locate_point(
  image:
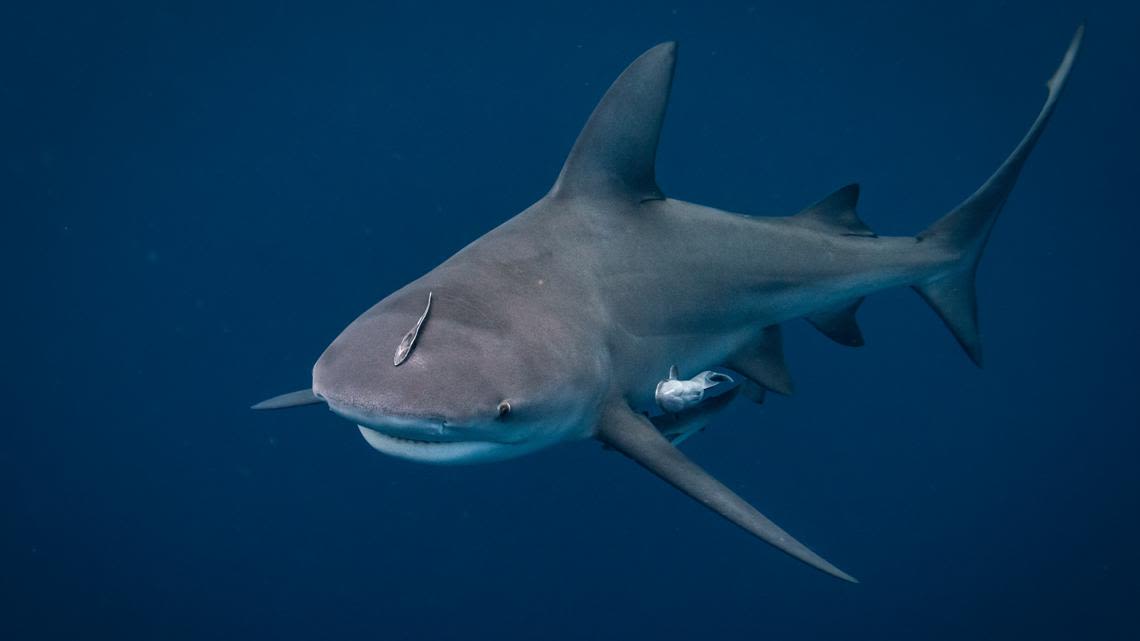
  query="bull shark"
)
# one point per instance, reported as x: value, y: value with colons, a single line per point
x: 561, y: 323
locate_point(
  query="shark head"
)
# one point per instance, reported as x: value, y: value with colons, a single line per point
x: 455, y: 380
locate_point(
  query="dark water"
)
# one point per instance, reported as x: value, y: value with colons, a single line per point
x: 197, y: 197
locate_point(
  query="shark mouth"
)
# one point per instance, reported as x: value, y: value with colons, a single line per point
x: 439, y: 452
x: 429, y: 439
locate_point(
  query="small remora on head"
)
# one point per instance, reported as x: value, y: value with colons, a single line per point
x: 404, y: 349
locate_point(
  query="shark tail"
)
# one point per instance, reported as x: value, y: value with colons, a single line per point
x: 965, y: 230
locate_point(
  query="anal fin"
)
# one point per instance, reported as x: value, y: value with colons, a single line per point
x: 839, y: 324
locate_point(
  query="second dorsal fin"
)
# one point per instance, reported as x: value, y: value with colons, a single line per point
x: 836, y: 213
x: 615, y: 154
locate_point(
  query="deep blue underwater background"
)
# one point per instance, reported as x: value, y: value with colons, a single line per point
x: 197, y: 197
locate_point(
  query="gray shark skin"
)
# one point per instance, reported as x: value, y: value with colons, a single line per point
x: 558, y: 325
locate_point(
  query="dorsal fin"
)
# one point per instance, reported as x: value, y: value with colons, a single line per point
x: 839, y: 324
x: 836, y: 213
x: 615, y: 154
x: 763, y: 362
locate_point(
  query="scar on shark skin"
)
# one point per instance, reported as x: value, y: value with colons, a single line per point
x: 404, y: 349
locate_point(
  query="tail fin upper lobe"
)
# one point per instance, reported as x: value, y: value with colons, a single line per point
x: 966, y: 229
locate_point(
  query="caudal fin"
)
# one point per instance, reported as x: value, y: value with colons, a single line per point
x: 966, y: 229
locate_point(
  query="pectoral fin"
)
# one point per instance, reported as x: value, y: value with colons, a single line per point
x: 633, y: 435
x: 292, y: 399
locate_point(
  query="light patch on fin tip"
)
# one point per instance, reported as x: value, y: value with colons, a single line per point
x: 409, y: 340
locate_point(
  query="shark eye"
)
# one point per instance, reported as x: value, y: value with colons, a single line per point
x: 504, y: 409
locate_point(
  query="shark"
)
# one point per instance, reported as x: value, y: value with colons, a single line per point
x: 566, y: 321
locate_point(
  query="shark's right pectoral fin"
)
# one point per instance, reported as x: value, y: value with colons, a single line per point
x: 292, y: 399
x: 633, y: 435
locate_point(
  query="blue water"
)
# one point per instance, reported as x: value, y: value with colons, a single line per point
x: 198, y: 196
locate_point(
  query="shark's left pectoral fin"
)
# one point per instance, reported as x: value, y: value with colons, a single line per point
x: 633, y: 435
x: 292, y: 399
